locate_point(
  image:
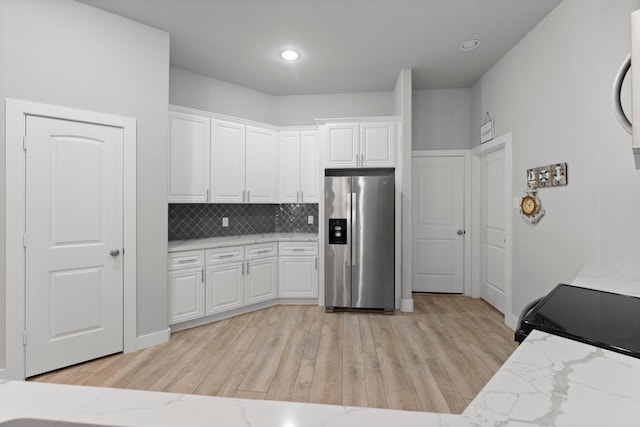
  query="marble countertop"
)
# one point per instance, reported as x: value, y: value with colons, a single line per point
x: 553, y: 381
x: 128, y: 408
x: 245, y: 239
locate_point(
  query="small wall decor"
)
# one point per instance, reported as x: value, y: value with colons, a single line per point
x: 530, y: 207
x: 486, y: 130
x: 547, y: 176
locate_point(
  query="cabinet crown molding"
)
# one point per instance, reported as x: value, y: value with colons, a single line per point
x: 371, y: 119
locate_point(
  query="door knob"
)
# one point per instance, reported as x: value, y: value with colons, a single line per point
x: 460, y: 232
x: 114, y: 252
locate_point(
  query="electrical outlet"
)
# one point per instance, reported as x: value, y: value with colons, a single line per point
x: 310, y: 219
x: 225, y: 222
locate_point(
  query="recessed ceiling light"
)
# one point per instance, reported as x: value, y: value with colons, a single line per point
x: 469, y: 45
x: 290, y: 55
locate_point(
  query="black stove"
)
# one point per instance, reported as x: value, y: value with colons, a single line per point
x: 599, y: 318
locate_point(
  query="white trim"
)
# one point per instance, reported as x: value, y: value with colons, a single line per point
x: 406, y: 305
x: 503, y: 141
x: 148, y: 340
x: 466, y: 154
x: 369, y: 119
x: 16, y: 112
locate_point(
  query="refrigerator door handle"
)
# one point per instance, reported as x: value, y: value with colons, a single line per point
x: 354, y: 228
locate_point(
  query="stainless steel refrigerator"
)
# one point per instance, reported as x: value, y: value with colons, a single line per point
x: 360, y: 239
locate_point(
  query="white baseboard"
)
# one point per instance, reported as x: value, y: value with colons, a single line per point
x: 511, y: 321
x: 149, y: 340
x: 406, y: 305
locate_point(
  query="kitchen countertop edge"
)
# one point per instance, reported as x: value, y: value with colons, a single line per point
x: 244, y: 239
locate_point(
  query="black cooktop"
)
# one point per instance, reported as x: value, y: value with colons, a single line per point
x: 599, y: 318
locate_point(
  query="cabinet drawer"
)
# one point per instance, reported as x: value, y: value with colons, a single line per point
x: 222, y: 255
x: 180, y: 260
x: 298, y: 248
x: 261, y: 250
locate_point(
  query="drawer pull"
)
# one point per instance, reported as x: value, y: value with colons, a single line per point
x: 264, y: 251
x: 184, y: 261
x: 227, y: 256
x: 299, y: 249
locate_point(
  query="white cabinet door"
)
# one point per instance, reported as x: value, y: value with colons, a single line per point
x: 298, y: 277
x: 377, y: 144
x: 289, y: 166
x: 310, y: 176
x: 224, y: 287
x: 342, y: 145
x: 186, y: 295
x: 227, y: 162
x: 261, y: 164
x: 261, y: 279
x: 189, y: 137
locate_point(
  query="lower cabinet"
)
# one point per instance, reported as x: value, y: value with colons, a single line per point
x: 224, y: 287
x: 298, y: 269
x: 261, y: 280
x: 206, y: 282
x: 186, y: 295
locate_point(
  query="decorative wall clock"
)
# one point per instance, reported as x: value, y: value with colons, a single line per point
x: 531, y: 208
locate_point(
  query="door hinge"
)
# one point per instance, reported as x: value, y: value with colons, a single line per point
x: 24, y: 337
x: 24, y: 143
x: 24, y: 240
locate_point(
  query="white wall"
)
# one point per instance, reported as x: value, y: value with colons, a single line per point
x: 304, y: 109
x: 553, y: 91
x: 205, y: 93
x: 441, y: 119
x: 69, y: 54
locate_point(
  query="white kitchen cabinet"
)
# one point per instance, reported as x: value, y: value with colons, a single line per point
x: 189, y: 136
x: 227, y: 162
x: 186, y: 286
x: 261, y: 279
x: 300, y: 166
x: 377, y: 144
x: 261, y: 166
x: 186, y: 295
x: 298, y: 270
x: 367, y: 144
x: 342, y: 145
x: 243, y: 163
x: 224, y: 287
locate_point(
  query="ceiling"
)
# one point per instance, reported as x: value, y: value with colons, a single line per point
x: 346, y: 45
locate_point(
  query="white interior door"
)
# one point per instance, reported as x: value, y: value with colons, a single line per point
x: 493, y: 240
x: 438, y: 224
x: 74, y: 218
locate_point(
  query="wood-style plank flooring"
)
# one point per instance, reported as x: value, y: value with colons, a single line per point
x: 436, y: 359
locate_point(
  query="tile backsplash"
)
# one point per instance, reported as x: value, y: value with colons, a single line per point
x: 194, y: 221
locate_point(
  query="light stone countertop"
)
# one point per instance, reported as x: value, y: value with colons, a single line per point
x: 244, y: 239
x: 553, y: 381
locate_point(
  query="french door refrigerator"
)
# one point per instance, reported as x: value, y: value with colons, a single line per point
x: 360, y: 239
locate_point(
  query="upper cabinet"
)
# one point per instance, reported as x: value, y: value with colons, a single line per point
x: 300, y: 166
x: 243, y: 163
x: 188, y: 158
x: 367, y: 144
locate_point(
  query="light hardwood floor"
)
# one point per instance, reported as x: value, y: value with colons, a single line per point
x: 436, y: 359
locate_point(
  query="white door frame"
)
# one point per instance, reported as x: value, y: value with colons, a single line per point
x: 503, y: 141
x: 465, y: 154
x: 16, y: 115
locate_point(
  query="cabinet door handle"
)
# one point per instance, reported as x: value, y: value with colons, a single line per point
x: 301, y: 196
x: 264, y: 251
x: 248, y: 196
x: 207, y: 199
x: 361, y: 159
x: 243, y: 194
x: 184, y: 261
x: 202, y: 278
x: 316, y: 263
x: 247, y: 268
x: 226, y: 256
x: 243, y: 268
x: 297, y: 249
